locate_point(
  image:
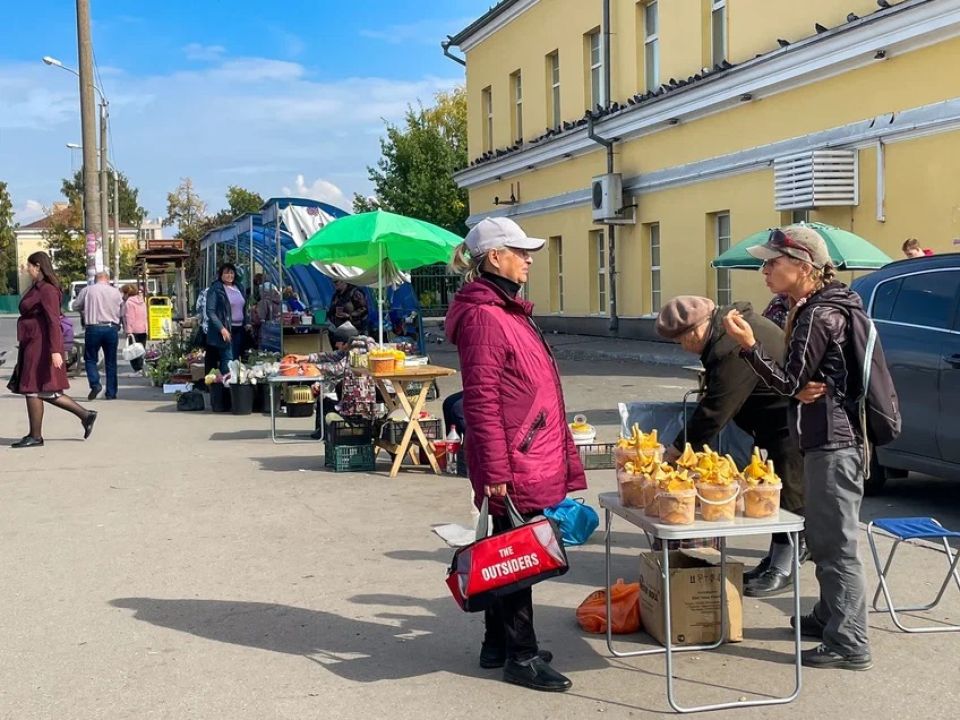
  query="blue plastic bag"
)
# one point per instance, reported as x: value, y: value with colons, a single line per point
x: 576, y: 520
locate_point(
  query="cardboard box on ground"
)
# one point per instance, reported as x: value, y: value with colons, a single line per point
x: 694, y: 597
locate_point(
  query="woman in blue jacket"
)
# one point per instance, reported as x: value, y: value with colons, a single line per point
x: 226, y: 316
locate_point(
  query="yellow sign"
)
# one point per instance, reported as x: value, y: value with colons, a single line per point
x: 160, y: 317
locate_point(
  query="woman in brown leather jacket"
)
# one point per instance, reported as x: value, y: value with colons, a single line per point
x: 818, y: 366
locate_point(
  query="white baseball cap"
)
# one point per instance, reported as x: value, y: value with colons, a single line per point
x: 496, y: 232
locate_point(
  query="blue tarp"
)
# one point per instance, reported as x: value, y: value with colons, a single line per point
x: 314, y: 288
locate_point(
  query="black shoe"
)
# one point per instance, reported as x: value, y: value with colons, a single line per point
x: 497, y: 657
x: 88, y: 423
x: 771, y: 582
x: 804, y: 553
x: 759, y: 570
x: 536, y: 675
x: 810, y: 626
x: 94, y: 391
x: 823, y: 657
x: 28, y: 441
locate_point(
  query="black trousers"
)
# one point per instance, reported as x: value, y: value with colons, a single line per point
x: 509, y: 621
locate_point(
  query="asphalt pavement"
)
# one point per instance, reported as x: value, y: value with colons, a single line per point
x: 181, y: 565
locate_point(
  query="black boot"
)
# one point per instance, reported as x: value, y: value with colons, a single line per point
x: 771, y: 582
x: 496, y: 657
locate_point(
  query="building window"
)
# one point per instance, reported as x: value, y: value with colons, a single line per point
x: 722, y: 234
x: 486, y: 105
x: 651, y: 45
x: 600, y: 263
x: 595, y: 57
x: 556, y: 261
x: 516, y: 83
x: 553, y: 82
x: 655, y: 301
x: 718, y: 22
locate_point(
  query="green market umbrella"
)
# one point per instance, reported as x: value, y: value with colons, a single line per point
x: 847, y: 250
x: 374, y: 239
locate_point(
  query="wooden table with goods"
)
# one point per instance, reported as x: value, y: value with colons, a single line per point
x: 782, y: 521
x: 401, y: 378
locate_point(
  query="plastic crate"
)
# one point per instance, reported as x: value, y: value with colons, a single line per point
x: 414, y: 388
x: 392, y: 432
x: 349, y: 458
x: 597, y: 456
x: 341, y: 432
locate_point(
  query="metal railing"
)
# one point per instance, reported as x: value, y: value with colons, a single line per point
x: 434, y: 287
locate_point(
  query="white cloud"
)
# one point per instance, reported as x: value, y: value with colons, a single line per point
x: 256, y: 122
x: 423, y: 32
x: 319, y: 189
x: 198, y: 51
x: 28, y: 212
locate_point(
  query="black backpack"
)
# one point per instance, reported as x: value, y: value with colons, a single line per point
x: 191, y: 401
x: 876, y: 401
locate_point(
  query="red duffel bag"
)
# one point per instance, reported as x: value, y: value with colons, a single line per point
x: 500, y: 564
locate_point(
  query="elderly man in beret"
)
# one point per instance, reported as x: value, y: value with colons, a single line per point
x: 734, y: 392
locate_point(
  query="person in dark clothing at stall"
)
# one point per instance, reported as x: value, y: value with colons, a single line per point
x: 734, y: 392
x: 349, y: 304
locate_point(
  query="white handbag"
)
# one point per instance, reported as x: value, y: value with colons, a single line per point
x: 132, y: 350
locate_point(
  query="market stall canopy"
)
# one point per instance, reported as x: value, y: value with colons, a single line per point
x: 847, y: 250
x: 369, y: 239
x: 382, y: 241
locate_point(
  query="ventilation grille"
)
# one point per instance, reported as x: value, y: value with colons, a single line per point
x: 818, y: 178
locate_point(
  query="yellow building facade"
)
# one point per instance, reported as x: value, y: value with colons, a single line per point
x: 706, y: 99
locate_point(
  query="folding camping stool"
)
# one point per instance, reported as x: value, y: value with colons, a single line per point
x: 915, y: 528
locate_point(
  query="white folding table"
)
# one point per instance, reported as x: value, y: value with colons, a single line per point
x: 785, y: 522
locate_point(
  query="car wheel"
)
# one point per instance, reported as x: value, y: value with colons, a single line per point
x: 878, y: 477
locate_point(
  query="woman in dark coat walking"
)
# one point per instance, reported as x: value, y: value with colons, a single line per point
x: 41, y: 375
x: 519, y: 440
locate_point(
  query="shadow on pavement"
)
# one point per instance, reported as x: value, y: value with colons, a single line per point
x: 241, y: 435
x: 286, y: 464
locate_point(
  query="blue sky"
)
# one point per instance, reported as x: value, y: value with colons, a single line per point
x: 281, y: 101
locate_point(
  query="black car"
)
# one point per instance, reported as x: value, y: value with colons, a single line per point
x: 916, y: 307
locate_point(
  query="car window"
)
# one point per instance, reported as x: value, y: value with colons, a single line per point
x: 885, y: 298
x: 927, y: 299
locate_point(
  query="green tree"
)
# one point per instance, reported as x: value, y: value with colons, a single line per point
x: 130, y: 211
x: 243, y: 201
x: 65, y: 244
x: 414, y: 175
x: 188, y: 212
x: 8, y: 244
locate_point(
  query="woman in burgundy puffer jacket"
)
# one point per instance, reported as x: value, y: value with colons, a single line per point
x: 519, y: 442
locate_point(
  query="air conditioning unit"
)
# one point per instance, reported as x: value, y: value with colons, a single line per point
x: 607, y: 200
x: 816, y: 178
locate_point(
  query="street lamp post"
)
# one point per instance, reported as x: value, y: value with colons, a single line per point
x: 95, y: 211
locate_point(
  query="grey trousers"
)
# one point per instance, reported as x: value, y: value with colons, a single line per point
x: 833, y: 486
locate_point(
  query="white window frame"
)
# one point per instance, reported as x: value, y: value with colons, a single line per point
x: 517, y: 82
x: 555, y: 86
x: 722, y: 244
x: 718, y: 14
x: 596, y: 69
x: 651, y: 47
x: 556, y: 246
x: 603, y: 283
x: 656, y: 290
x: 487, y: 109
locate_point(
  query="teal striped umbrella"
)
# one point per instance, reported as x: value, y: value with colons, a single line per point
x: 847, y: 250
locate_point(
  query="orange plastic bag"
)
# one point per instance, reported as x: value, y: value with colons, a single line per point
x: 624, y: 605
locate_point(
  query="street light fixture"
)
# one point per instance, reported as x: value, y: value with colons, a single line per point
x: 104, y: 164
